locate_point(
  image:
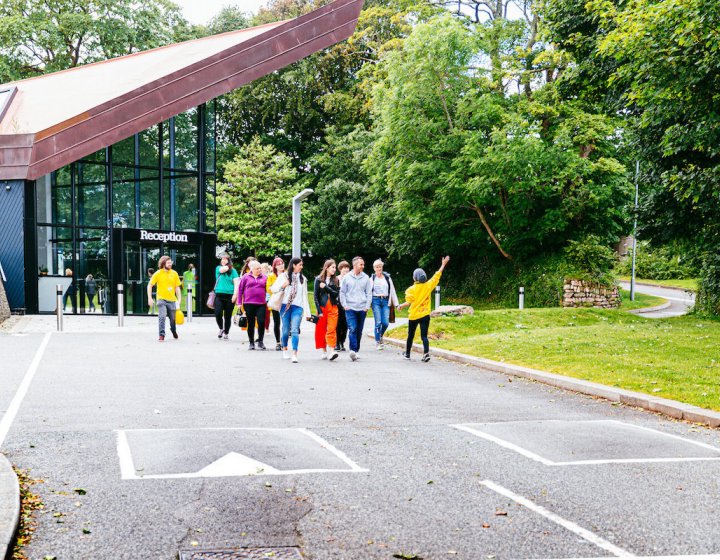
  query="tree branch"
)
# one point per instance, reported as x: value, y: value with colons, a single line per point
x: 489, y: 231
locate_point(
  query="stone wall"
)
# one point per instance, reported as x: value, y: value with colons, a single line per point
x: 4, y: 306
x: 581, y: 293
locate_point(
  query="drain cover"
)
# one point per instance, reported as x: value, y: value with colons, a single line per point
x: 282, y: 553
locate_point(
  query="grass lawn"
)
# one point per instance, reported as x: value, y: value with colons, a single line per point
x: 676, y: 358
x: 685, y: 284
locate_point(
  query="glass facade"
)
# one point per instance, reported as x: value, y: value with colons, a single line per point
x: 162, y: 178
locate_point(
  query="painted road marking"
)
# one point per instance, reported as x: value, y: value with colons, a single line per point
x: 678, y: 557
x: 569, y: 525
x: 234, y: 463
x: 10, y: 414
x: 549, y: 462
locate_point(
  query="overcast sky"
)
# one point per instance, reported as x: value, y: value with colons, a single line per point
x: 201, y: 11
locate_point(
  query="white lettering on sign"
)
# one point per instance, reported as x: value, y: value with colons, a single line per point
x: 164, y: 237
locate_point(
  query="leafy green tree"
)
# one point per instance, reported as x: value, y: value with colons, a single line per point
x: 464, y: 166
x: 255, y: 200
x: 39, y: 36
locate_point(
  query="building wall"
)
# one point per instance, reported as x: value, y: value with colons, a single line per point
x: 12, y: 238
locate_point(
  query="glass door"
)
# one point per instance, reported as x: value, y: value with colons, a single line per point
x: 140, y: 262
x: 187, y: 265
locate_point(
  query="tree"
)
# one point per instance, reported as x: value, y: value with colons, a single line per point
x: 255, y: 200
x: 465, y: 166
x: 39, y: 36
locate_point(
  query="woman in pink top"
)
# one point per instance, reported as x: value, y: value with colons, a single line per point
x: 250, y: 296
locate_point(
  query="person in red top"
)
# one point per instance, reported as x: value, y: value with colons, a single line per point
x: 250, y: 296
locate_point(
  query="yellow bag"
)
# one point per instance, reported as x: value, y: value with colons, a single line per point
x: 179, y: 317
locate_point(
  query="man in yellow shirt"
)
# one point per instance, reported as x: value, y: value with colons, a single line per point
x: 168, y: 294
x: 417, y: 297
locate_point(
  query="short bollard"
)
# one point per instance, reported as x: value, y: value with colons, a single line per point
x: 437, y: 297
x: 521, y: 297
x: 121, y: 304
x: 59, y: 308
x: 188, y: 304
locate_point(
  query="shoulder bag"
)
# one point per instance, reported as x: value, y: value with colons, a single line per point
x: 211, y: 296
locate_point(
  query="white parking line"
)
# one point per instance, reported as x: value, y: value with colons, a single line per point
x: 9, y: 416
x: 569, y: 525
x: 505, y: 444
x: 540, y: 459
x: 233, y: 463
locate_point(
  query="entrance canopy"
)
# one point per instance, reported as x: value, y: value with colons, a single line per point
x: 52, y: 120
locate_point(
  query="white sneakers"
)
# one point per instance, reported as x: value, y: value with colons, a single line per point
x: 353, y: 355
x: 334, y: 355
x: 294, y: 359
x: 286, y: 355
x: 324, y: 356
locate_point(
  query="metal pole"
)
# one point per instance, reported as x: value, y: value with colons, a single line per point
x: 297, y: 199
x: 521, y: 297
x: 634, y: 248
x: 437, y: 297
x: 189, y: 303
x: 59, y: 304
x: 121, y: 304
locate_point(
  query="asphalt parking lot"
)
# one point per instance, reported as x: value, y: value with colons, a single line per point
x: 197, y: 444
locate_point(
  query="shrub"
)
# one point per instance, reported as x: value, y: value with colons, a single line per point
x: 661, y: 263
x: 590, y: 259
x: 708, y: 296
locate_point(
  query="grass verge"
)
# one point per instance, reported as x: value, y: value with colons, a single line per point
x: 675, y: 358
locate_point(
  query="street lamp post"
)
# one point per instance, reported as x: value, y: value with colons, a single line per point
x: 634, y: 246
x: 297, y: 199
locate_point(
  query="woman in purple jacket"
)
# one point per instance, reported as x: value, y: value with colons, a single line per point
x: 250, y: 296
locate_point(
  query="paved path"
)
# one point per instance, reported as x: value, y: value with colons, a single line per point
x: 201, y: 442
x: 681, y: 301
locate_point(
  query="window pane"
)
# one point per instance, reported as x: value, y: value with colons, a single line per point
x: 92, y: 205
x: 123, y: 159
x: 44, y: 202
x: 210, y: 137
x: 149, y: 147
x: 123, y: 214
x: 186, y: 140
x: 91, y: 194
x: 97, y: 157
x: 186, y: 204
x: 209, y: 181
x: 150, y: 204
x: 54, y: 197
x: 167, y: 205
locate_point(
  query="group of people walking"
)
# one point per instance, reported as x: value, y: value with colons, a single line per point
x: 343, y: 294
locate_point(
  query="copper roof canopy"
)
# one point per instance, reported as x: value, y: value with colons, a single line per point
x: 55, y: 119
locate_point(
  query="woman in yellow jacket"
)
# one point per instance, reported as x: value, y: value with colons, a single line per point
x: 417, y: 297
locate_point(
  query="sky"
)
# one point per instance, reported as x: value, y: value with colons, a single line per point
x: 201, y: 11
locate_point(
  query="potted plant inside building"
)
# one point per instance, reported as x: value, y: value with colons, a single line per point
x: 43, y: 270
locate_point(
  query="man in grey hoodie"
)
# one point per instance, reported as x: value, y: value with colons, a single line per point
x: 356, y: 298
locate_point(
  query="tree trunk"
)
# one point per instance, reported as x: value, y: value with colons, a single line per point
x: 490, y: 232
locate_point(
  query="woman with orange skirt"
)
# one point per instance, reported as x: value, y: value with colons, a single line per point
x: 327, y: 291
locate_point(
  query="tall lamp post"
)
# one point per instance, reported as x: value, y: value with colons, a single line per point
x: 634, y: 248
x: 297, y: 199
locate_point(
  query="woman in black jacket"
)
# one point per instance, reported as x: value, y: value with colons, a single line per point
x: 326, y: 292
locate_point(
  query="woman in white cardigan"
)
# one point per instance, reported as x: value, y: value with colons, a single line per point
x: 295, y: 305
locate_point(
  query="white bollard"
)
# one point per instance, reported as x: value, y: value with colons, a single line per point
x: 59, y: 303
x: 437, y: 297
x: 121, y: 304
x: 188, y: 303
x: 522, y: 297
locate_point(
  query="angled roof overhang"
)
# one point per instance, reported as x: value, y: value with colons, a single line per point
x: 55, y: 119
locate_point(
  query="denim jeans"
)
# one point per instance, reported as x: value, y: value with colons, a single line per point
x: 166, y: 309
x: 381, y: 314
x: 355, y: 322
x: 291, y: 324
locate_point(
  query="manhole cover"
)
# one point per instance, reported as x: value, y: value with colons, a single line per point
x: 282, y: 553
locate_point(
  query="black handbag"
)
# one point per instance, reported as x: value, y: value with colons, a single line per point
x: 242, y: 320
